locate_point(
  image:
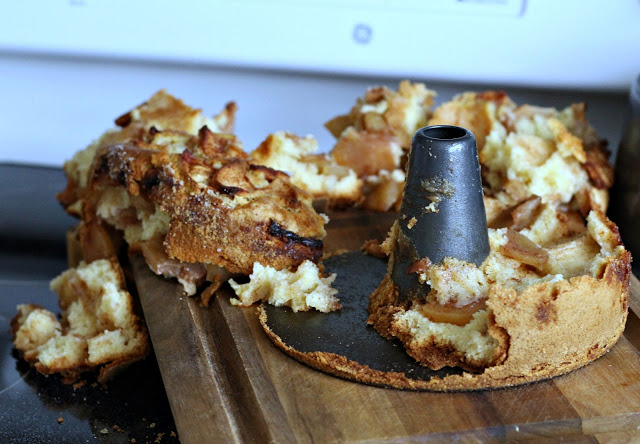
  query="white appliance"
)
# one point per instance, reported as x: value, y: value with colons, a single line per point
x: 68, y: 67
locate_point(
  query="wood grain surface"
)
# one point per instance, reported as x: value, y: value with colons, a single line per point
x: 226, y: 382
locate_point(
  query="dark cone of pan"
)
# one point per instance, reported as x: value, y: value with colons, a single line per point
x: 442, y: 213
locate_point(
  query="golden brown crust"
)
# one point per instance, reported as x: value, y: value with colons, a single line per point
x: 383, y: 305
x: 98, y: 331
x: 164, y: 111
x: 542, y: 322
x: 181, y: 191
x: 160, y: 113
x: 223, y: 211
x: 519, y: 367
x: 536, y: 329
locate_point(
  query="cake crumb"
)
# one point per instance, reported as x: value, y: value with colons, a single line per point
x: 373, y: 248
x: 432, y: 208
x: 412, y: 223
x: 152, y: 425
x: 159, y: 437
x: 133, y: 440
x: 173, y: 434
x: 104, y: 431
x: 60, y: 420
x: 117, y: 428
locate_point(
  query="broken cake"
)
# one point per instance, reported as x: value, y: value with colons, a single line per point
x: 99, y: 329
x: 176, y: 187
x: 552, y: 294
x: 184, y: 195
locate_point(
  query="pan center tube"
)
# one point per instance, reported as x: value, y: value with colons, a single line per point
x: 442, y: 213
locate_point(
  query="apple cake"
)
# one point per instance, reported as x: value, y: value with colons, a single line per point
x: 553, y: 293
x: 99, y: 330
x: 184, y: 195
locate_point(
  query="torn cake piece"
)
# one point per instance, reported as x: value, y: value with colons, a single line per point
x: 527, y: 313
x: 374, y: 138
x: 318, y: 174
x: 161, y: 112
x: 529, y: 152
x: 98, y: 331
x: 187, y: 199
x: 302, y: 290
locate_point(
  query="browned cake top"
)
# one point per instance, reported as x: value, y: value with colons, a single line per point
x: 221, y: 208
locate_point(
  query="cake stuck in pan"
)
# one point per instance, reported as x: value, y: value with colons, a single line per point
x: 504, y: 317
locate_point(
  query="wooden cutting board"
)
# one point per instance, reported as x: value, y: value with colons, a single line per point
x: 227, y: 382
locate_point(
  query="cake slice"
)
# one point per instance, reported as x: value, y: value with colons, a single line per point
x: 191, y: 212
x: 99, y: 329
x: 377, y: 132
x: 302, y: 290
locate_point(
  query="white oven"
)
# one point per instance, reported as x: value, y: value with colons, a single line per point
x: 68, y: 67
